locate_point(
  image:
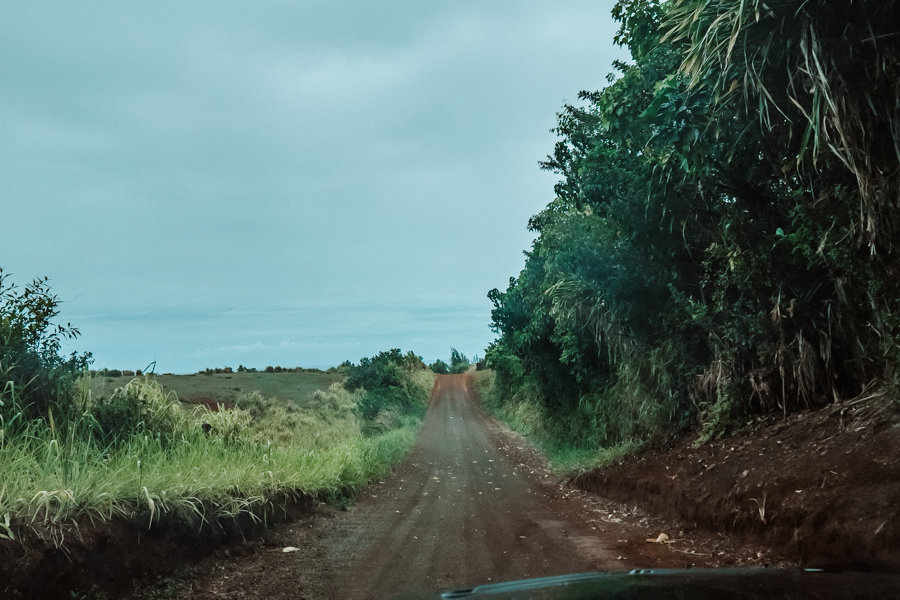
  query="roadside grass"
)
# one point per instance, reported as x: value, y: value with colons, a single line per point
x: 524, y: 414
x: 162, y: 461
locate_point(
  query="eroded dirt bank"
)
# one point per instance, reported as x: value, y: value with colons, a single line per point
x: 818, y: 488
x: 104, y: 559
x: 472, y: 504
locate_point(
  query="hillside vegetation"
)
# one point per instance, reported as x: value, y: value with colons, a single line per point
x: 723, y: 239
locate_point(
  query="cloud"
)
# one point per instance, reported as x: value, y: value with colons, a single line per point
x: 171, y: 158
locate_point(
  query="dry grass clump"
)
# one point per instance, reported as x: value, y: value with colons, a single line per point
x: 329, y: 415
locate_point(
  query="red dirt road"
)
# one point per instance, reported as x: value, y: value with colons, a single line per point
x: 472, y: 504
x: 460, y: 512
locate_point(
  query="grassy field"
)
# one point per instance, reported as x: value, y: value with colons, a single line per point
x: 288, y: 386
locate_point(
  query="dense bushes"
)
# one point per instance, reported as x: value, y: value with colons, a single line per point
x: 141, y: 407
x: 439, y: 367
x: 458, y: 364
x: 330, y: 414
x: 458, y: 361
x: 390, y: 381
x: 722, y: 242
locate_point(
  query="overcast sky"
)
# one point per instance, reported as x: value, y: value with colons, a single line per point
x: 294, y: 183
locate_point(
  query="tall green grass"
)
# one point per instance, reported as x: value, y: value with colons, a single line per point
x: 525, y: 414
x: 201, y: 464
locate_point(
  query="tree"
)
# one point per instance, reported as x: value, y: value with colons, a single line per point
x: 821, y: 75
x: 440, y: 367
x: 458, y: 361
x: 719, y: 242
x: 385, y: 378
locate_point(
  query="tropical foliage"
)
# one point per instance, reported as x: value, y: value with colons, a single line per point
x: 722, y: 239
x: 459, y: 363
x: 439, y: 367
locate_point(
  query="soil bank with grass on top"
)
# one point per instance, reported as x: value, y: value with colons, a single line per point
x: 817, y: 488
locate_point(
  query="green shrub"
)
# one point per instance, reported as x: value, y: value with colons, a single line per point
x: 115, y: 418
x: 439, y: 367
x: 388, y: 382
x: 32, y: 371
x: 723, y: 415
x: 458, y: 361
x: 330, y: 414
x: 229, y: 425
x: 378, y: 400
x: 141, y: 407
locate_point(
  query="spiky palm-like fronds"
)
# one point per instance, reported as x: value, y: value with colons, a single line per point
x: 572, y: 301
x: 826, y: 72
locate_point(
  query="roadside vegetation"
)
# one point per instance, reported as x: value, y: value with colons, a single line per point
x: 459, y: 363
x: 723, y: 238
x: 527, y: 416
x: 68, y: 456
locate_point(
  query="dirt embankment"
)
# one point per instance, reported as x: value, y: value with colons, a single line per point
x: 109, y: 558
x: 820, y: 487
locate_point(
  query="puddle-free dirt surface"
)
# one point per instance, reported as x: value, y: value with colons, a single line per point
x: 458, y: 513
x: 473, y: 504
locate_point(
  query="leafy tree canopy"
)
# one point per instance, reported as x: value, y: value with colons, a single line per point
x: 721, y: 239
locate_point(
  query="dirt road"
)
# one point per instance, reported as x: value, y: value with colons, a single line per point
x: 471, y: 505
x: 461, y: 512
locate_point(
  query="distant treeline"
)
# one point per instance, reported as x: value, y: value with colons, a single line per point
x: 214, y: 371
x: 116, y: 373
x: 269, y: 369
x: 725, y: 234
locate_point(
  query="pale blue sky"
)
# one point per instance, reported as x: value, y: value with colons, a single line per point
x: 293, y: 183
